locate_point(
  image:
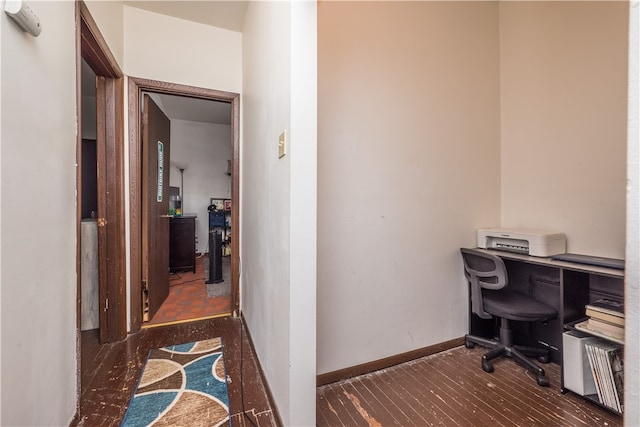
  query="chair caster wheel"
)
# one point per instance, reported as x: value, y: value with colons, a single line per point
x: 486, y: 366
x: 469, y: 344
x: 544, y: 359
x: 542, y: 381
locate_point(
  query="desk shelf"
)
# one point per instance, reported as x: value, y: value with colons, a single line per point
x: 594, y: 399
x: 567, y: 287
x: 577, y: 327
x: 576, y: 357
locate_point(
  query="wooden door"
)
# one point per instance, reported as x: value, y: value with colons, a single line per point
x: 155, y: 207
x: 92, y: 48
x: 101, y: 174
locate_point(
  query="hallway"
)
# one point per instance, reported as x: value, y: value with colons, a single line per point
x: 110, y: 372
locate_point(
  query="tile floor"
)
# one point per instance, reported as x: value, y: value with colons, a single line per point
x: 188, y: 300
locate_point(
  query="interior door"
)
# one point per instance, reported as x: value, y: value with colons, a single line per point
x: 101, y: 175
x: 155, y: 207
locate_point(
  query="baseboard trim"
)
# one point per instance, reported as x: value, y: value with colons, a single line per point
x: 272, y: 402
x: 178, y: 322
x: 376, y: 365
x: 75, y: 420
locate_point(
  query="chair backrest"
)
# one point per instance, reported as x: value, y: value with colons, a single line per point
x: 483, y: 270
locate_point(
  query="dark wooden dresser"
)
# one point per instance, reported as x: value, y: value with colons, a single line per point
x: 182, y: 243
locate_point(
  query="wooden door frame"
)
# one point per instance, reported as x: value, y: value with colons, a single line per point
x: 91, y: 46
x: 135, y: 89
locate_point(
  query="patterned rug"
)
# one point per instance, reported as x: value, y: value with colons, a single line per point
x: 182, y: 385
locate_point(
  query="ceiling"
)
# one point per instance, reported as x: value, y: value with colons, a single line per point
x: 194, y: 109
x: 223, y: 14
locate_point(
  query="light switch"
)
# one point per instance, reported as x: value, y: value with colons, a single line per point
x: 282, y: 145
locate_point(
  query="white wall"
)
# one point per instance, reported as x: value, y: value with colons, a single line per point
x: 38, y: 230
x: 408, y: 168
x: 204, y: 149
x: 108, y: 16
x: 265, y: 193
x: 89, y: 123
x: 564, y: 100
x: 173, y: 50
x: 278, y: 200
x: 303, y: 149
x: 632, y: 266
x: 88, y: 115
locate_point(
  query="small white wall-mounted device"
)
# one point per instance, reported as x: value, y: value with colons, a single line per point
x: 20, y: 12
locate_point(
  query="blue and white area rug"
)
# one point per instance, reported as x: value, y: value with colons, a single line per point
x: 182, y: 385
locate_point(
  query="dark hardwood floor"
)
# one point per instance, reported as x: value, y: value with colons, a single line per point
x: 446, y: 389
x: 451, y: 389
x: 110, y: 372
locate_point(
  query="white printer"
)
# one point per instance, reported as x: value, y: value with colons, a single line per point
x: 534, y: 243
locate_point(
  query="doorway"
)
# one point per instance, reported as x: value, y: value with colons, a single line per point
x: 100, y: 196
x: 136, y: 91
x: 107, y: 125
x: 197, y: 157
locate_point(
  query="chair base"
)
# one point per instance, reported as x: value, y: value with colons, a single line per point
x: 516, y: 352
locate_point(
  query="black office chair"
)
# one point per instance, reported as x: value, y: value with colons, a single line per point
x: 491, y: 298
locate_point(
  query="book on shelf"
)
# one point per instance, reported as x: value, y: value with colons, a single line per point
x: 607, y: 367
x: 616, y: 362
x: 610, y: 329
x: 594, y: 371
x: 613, y: 355
x: 584, y: 326
x: 609, y: 352
x: 606, y: 379
x: 607, y: 317
x: 608, y: 306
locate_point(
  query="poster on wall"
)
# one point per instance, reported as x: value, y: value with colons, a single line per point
x: 160, y: 169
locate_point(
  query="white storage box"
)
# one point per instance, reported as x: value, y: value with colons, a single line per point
x: 575, y: 363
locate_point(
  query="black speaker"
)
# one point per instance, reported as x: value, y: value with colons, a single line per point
x: 215, y: 257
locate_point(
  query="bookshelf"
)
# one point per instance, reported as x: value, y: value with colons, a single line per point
x: 593, y: 363
x: 584, y: 326
x: 220, y: 220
